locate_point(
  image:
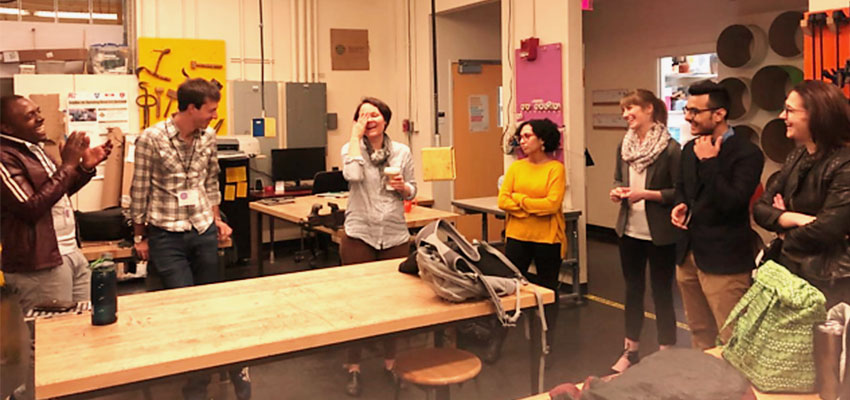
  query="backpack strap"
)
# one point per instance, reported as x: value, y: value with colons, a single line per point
x: 505, y: 318
x: 501, y: 256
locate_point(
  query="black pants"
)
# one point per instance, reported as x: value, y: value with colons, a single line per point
x: 662, y: 270
x: 547, y: 261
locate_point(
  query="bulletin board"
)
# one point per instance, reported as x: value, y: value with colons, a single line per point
x: 182, y: 59
x: 539, y: 89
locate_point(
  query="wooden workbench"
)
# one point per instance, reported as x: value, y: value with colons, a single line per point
x: 170, y: 332
x: 297, y: 212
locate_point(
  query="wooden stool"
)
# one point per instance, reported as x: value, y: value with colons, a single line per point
x: 436, y: 368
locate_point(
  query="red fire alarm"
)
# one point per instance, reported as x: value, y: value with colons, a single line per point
x: 528, y: 48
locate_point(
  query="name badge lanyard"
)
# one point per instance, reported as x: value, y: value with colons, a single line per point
x: 186, y: 166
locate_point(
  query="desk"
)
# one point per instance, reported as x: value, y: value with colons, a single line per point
x: 297, y: 212
x: 238, y: 322
x: 489, y: 205
x: 93, y: 250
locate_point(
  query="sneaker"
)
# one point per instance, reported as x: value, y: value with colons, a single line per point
x: 628, y: 359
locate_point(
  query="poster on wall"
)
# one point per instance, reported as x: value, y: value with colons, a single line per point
x: 95, y: 112
x: 165, y: 63
x: 539, y: 89
x: 479, y: 113
x: 349, y: 49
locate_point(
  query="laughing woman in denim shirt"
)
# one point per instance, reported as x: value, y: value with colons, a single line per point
x: 375, y: 228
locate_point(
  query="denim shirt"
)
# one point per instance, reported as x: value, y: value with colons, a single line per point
x: 374, y: 214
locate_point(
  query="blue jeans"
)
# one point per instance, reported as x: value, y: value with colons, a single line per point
x: 184, y: 258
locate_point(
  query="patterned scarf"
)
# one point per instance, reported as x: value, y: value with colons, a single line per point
x: 379, y: 157
x: 641, y: 155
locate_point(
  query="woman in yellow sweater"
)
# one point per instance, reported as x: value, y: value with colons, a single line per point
x: 531, y: 196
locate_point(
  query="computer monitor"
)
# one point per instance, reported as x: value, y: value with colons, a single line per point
x: 297, y: 164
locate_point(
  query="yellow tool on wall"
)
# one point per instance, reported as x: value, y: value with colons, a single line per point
x: 161, y: 65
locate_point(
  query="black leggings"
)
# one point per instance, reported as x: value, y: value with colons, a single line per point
x: 662, y: 269
x: 547, y: 261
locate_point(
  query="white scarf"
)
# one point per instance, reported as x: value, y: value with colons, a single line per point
x: 641, y: 154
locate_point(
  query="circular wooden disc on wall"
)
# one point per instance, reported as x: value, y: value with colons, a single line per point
x: 772, y: 83
x: 739, y: 95
x: 749, y: 131
x: 741, y: 45
x: 785, y: 36
x: 773, y: 141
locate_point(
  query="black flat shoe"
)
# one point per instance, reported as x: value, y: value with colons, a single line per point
x: 627, y: 360
x: 353, y: 388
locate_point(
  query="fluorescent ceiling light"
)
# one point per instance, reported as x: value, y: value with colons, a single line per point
x: 75, y: 15
x: 13, y: 11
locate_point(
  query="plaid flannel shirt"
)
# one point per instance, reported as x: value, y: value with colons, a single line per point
x: 165, y: 165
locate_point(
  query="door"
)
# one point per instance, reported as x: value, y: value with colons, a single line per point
x: 477, y: 139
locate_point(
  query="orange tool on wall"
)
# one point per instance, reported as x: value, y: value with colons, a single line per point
x: 826, y: 47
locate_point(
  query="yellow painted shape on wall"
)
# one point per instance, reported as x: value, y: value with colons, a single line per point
x: 183, y: 52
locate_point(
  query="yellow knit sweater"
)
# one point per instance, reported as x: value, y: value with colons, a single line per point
x: 531, y: 196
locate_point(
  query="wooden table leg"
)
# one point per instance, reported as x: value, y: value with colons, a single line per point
x: 484, y: 229
x: 535, y: 356
x: 271, y: 239
x: 257, y: 240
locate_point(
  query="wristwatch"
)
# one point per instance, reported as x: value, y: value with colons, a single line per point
x: 138, y: 239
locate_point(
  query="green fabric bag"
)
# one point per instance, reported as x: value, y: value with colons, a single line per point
x: 771, y: 340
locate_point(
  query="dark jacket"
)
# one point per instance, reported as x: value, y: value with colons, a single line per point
x: 27, y: 195
x: 660, y: 175
x: 717, y: 192
x: 814, y: 187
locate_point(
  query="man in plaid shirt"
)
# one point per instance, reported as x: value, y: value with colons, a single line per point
x: 175, y: 198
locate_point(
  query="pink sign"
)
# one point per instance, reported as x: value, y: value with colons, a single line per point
x: 539, y: 89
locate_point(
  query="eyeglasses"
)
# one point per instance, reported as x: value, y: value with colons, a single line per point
x: 694, y: 111
x: 789, y: 110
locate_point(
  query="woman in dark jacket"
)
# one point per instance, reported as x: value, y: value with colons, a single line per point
x: 808, y: 201
x: 644, y: 178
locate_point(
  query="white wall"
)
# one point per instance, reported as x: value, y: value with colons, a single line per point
x: 479, y: 26
x: 621, y: 50
x: 821, y: 5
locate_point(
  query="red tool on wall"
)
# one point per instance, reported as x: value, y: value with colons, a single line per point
x: 826, y: 47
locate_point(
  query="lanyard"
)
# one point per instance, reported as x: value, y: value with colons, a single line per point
x: 186, y: 165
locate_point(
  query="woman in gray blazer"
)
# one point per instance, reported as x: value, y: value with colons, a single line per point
x: 644, y: 178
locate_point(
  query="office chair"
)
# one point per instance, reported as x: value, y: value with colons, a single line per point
x: 329, y: 181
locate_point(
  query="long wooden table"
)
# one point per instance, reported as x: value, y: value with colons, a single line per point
x: 160, y: 334
x: 297, y: 211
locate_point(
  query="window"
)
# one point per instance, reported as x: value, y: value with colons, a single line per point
x: 676, y: 75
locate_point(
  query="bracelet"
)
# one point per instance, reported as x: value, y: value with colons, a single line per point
x: 84, y: 169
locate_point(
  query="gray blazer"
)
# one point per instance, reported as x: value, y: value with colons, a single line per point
x: 660, y: 175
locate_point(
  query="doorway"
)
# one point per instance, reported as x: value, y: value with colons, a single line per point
x: 476, y: 134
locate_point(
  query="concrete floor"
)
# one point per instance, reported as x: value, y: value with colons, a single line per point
x: 588, y: 341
